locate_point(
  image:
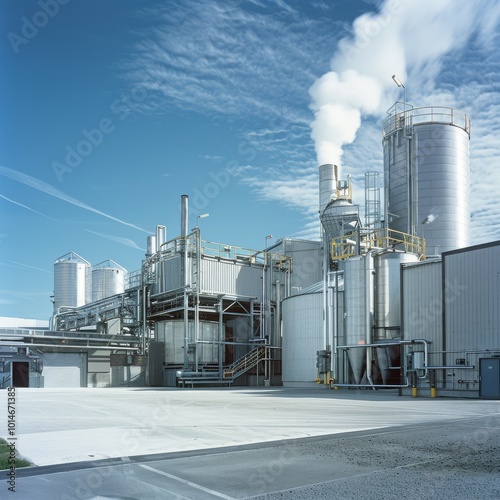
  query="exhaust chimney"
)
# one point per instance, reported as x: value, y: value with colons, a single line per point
x: 184, y: 215
x: 161, y: 236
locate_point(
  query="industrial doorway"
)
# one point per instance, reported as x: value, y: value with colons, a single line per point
x: 489, y: 378
x: 20, y: 374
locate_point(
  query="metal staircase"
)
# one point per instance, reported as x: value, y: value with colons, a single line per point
x: 245, y: 363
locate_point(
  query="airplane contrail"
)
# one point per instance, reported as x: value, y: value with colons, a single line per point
x: 26, y: 207
x: 123, y: 241
x: 35, y: 183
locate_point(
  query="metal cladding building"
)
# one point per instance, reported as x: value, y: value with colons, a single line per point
x: 395, y: 301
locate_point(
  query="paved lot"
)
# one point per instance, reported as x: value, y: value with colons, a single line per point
x: 282, y: 443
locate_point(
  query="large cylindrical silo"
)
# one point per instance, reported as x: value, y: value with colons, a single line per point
x: 427, y: 175
x: 72, y: 281
x: 108, y: 278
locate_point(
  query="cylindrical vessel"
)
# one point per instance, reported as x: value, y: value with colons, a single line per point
x: 151, y: 246
x: 184, y: 215
x: 171, y: 332
x: 387, y: 293
x: 161, y: 236
x: 427, y: 175
x: 108, y: 278
x: 302, y: 338
x: 327, y: 185
x: 72, y: 281
x: 355, y: 313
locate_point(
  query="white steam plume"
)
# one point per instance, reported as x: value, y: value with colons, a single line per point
x: 408, y: 38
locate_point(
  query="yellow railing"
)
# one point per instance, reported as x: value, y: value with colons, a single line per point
x: 343, y: 247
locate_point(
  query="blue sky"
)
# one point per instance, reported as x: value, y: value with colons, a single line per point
x: 111, y: 109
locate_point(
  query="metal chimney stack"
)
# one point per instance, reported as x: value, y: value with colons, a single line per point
x: 184, y: 215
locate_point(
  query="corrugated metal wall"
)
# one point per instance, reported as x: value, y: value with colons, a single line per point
x: 231, y: 278
x: 472, y: 298
x: 169, y: 275
x: 307, y: 261
x: 302, y: 337
x: 422, y: 305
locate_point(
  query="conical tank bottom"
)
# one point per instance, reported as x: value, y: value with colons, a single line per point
x: 383, y: 363
x: 357, y: 360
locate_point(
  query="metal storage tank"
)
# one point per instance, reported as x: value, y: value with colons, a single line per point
x: 356, y: 314
x: 171, y: 332
x: 427, y: 175
x: 302, y: 337
x: 387, y: 293
x: 108, y: 278
x: 72, y: 281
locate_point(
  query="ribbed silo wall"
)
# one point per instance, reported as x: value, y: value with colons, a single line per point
x: 107, y: 281
x: 387, y: 293
x: 72, y: 280
x: 437, y: 143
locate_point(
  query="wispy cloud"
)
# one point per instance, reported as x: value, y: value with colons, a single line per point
x: 46, y: 188
x: 25, y: 206
x: 117, y: 239
x: 246, y: 62
x: 27, y: 266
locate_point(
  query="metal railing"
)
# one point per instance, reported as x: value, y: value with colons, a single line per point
x: 431, y: 114
x: 245, y: 363
x: 346, y: 246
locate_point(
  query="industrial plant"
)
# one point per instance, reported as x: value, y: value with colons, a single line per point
x: 393, y: 295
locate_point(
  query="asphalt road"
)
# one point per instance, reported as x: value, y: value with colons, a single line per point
x: 458, y: 460
x: 435, y: 449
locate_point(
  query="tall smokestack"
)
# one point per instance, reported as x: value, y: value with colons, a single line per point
x: 327, y: 184
x: 184, y: 215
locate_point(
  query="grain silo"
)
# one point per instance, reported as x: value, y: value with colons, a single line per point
x: 427, y: 175
x: 72, y: 281
x: 107, y: 280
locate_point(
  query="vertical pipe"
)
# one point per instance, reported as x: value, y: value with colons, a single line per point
x: 221, y: 340
x: 184, y: 233
x: 277, y: 334
x: 325, y: 288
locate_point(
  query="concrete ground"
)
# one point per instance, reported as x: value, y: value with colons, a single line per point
x: 245, y: 442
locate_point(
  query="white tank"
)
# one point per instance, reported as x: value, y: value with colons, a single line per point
x: 72, y: 281
x: 108, y: 278
x: 171, y: 332
x: 427, y: 175
x: 302, y: 337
